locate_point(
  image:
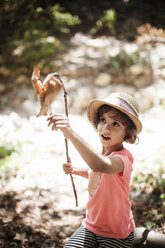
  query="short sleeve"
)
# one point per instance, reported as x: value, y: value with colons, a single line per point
x: 127, y: 159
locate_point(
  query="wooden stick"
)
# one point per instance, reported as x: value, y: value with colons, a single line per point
x: 38, y: 87
x: 66, y: 144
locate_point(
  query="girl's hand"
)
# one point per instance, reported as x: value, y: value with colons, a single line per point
x: 68, y: 168
x: 59, y: 121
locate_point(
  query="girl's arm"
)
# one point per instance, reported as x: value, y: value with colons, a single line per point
x: 69, y: 169
x: 94, y: 160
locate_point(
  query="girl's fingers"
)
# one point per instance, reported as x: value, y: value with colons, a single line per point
x: 56, y: 116
x: 67, y: 168
x: 50, y: 122
x: 58, y: 120
x: 54, y: 127
x: 49, y: 118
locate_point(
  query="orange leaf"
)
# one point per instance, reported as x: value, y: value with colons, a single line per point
x: 37, y: 83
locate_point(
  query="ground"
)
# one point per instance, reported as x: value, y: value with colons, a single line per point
x: 37, y: 204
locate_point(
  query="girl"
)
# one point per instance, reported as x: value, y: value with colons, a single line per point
x: 109, y: 220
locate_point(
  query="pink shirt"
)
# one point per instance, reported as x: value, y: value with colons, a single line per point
x: 109, y: 209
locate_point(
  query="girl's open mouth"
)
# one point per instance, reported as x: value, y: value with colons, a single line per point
x: 105, y: 137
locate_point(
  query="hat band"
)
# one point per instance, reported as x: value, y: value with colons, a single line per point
x: 124, y: 104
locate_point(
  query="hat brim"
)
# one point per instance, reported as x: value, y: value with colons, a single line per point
x: 94, y: 106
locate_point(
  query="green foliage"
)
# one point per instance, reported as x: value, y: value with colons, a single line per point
x: 149, y: 224
x: 15, y: 153
x: 130, y: 67
x: 29, y: 30
x: 62, y: 21
x: 106, y: 22
x: 163, y: 104
x: 125, y: 60
x: 108, y: 19
x: 36, y: 50
x: 154, y: 183
x: 150, y: 192
x: 6, y: 159
x: 6, y: 150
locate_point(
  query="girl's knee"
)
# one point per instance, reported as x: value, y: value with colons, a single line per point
x: 82, y: 238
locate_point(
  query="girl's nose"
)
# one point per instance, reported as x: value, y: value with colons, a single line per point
x: 106, y: 126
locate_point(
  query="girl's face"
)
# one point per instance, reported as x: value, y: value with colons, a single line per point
x: 111, y: 132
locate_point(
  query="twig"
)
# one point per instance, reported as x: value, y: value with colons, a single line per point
x: 66, y: 143
x: 39, y: 86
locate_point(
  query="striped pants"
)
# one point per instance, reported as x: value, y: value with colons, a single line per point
x: 83, y: 238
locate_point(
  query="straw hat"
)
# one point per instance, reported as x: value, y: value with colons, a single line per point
x: 121, y: 101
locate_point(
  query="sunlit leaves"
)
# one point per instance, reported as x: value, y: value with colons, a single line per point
x: 106, y: 22
x: 26, y: 26
x: 63, y: 20
x: 149, y: 224
x: 150, y: 193
x: 125, y: 60
x: 6, y: 151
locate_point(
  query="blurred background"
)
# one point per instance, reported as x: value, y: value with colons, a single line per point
x: 97, y: 47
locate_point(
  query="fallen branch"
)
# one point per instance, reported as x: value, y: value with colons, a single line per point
x: 47, y: 91
x: 66, y: 142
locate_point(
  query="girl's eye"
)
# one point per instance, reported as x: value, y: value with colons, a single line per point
x: 102, y: 119
x: 116, y: 124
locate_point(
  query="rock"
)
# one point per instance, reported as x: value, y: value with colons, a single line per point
x: 102, y: 93
x: 22, y: 79
x: 162, y: 73
x: 140, y: 235
x: 160, y: 93
x: 82, y: 98
x: 141, y: 82
x: 136, y: 70
x: 151, y: 238
x: 124, y: 88
x: 16, y: 120
x: 155, y: 239
x: 2, y: 88
x: 103, y: 79
x: 4, y: 72
x: 76, y: 71
x: 28, y: 108
x: 23, y: 93
x: 146, y: 98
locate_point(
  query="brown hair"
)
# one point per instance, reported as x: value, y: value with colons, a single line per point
x: 131, y: 132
